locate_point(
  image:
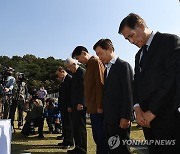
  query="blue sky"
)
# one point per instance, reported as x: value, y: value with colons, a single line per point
x: 55, y: 27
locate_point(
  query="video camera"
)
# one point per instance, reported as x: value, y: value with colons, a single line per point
x: 20, y: 76
x: 6, y: 71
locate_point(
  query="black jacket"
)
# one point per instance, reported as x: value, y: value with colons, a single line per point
x: 117, y: 99
x: 77, y: 87
x: 64, y: 99
x: 154, y: 85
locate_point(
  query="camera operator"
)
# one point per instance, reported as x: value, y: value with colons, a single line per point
x: 7, y: 86
x: 20, y: 94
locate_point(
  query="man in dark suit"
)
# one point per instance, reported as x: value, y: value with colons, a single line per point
x: 63, y: 104
x: 78, y: 106
x: 117, y: 98
x: 154, y: 83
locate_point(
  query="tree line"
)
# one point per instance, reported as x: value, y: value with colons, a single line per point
x: 37, y: 70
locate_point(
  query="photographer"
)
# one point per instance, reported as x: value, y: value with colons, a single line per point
x: 34, y: 117
x: 20, y: 94
x: 7, y: 85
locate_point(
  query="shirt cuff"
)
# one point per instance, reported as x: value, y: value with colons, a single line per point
x: 179, y: 109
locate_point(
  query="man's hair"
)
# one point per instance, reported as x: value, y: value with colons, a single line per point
x: 60, y: 69
x: 70, y: 61
x: 131, y: 21
x: 104, y: 44
x: 78, y: 50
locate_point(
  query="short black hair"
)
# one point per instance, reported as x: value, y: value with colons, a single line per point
x: 78, y: 50
x: 104, y: 44
x: 131, y: 21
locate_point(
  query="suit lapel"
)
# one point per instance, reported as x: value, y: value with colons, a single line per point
x: 112, y: 69
x: 151, y: 50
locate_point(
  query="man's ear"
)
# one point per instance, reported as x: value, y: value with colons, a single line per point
x: 84, y: 53
x: 111, y: 49
x: 140, y: 25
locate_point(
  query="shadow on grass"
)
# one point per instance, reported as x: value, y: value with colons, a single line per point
x: 26, y: 144
x: 19, y: 148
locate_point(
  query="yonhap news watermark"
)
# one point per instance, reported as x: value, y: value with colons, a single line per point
x: 148, y: 142
x: 115, y: 141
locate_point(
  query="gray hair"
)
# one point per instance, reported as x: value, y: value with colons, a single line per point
x: 70, y: 61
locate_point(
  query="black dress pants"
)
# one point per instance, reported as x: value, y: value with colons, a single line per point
x: 67, y: 127
x: 165, y: 134
x: 79, y: 128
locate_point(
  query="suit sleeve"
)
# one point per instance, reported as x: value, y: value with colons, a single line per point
x: 135, y: 90
x: 126, y: 80
x: 99, y: 83
x: 80, y: 96
x: 69, y: 93
x: 178, y: 86
x: 165, y: 93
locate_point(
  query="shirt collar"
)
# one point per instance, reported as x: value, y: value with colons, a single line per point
x: 148, y: 43
x: 64, y: 78
x: 112, y: 61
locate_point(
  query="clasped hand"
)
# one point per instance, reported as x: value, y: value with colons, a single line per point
x: 144, y: 118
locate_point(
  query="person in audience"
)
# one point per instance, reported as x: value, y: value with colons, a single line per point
x: 52, y: 115
x: 20, y: 96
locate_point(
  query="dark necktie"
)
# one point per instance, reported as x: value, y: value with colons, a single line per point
x: 144, y: 53
x: 105, y: 73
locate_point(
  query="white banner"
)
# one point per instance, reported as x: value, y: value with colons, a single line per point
x: 5, y: 136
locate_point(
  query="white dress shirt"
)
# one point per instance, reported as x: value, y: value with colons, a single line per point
x: 108, y: 66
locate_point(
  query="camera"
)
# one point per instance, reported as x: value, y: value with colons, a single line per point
x: 6, y: 71
x: 20, y: 77
x: 4, y: 75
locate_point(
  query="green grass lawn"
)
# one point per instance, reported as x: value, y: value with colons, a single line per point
x: 33, y: 145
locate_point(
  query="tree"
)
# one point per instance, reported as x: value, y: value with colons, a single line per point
x: 37, y: 70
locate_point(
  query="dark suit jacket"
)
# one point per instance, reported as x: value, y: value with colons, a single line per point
x: 117, y: 99
x: 154, y: 85
x: 77, y: 87
x: 65, y: 93
x: 177, y: 87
